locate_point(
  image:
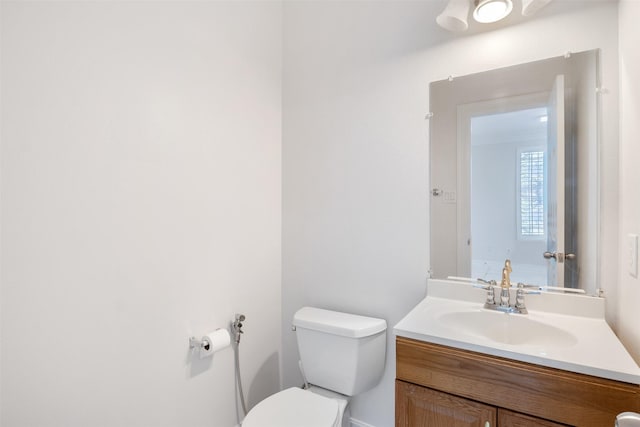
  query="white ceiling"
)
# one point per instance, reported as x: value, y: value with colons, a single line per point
x: 507, y: 127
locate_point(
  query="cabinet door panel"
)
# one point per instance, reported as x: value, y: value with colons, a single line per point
x: 422, y: 407
x: 513, y: 419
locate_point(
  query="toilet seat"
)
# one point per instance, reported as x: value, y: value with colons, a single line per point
x: 294, y: 407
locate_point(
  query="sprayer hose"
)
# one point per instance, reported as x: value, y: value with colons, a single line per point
x: 239, y: 379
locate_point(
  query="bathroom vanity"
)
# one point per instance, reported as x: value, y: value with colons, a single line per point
x: 459, y: 365
x: 464, y: 388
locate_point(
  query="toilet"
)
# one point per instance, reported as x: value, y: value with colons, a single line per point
x: 341, y: 355
x: 628, y: 419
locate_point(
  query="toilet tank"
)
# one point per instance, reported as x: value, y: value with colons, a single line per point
x: 340, y: 351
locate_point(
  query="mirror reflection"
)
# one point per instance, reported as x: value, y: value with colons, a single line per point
x: 514, y: 173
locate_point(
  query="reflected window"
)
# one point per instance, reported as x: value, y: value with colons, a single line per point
x: 531, y: 212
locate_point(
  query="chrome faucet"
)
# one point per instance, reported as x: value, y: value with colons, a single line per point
x: 505, y: 295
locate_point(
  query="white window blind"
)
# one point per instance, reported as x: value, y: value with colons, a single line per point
x: 532, y: 188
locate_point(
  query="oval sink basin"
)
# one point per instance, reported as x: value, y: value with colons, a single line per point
x: 514, y: 329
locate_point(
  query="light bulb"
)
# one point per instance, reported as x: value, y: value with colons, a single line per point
x: 488, y: 11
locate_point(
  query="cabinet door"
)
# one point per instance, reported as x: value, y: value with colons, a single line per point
x: 514, y: 419
x: 422, y: 407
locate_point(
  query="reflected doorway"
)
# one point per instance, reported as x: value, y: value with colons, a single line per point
x: 509, y: 194
x: 513, y: 195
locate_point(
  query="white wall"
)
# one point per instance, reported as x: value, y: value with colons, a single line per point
x: 627, y: 313
x: 354, y: 152
x: 493, y: 200
x: 355, y: 212
x: 141, y: 188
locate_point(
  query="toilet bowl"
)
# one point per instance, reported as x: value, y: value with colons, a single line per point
x: 342, y: 355
x: 628, y: 419
x: 295, y: 407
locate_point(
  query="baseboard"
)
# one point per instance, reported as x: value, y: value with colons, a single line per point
x: 358, y: 423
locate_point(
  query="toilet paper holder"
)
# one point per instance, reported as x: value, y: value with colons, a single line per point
x: 210, y: 343
x: 200, y: 343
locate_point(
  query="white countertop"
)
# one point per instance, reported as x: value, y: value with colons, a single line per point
x: 591, y: 348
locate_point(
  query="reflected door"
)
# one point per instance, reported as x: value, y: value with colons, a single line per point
x: 555, y: 189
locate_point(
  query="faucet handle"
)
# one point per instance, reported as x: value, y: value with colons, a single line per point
x: 526, y: 285
x: 520, y: 296
x: 487, y: 286
x: 523, y: 287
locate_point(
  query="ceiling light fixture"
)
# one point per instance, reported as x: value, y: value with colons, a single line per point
x: 454, y: 16
x: 488, y: 11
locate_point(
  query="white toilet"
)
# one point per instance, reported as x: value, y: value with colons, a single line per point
x: 342, y: 355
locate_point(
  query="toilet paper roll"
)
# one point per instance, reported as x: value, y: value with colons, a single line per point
x: 214, y: 341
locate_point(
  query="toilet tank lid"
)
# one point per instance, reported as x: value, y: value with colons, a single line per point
x: 338, y: 323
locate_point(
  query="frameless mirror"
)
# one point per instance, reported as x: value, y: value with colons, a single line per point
x: 514, y: 173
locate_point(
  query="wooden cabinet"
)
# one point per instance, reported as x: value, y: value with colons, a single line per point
x: 418, y: 406
x: 443, y: 386
x: 513, y: 419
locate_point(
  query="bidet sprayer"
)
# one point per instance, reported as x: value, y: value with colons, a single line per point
x: 237, y: 327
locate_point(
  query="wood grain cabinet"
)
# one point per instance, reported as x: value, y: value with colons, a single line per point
x: 418, y: 406
x: 439, y: 386
x: 513, y: 419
